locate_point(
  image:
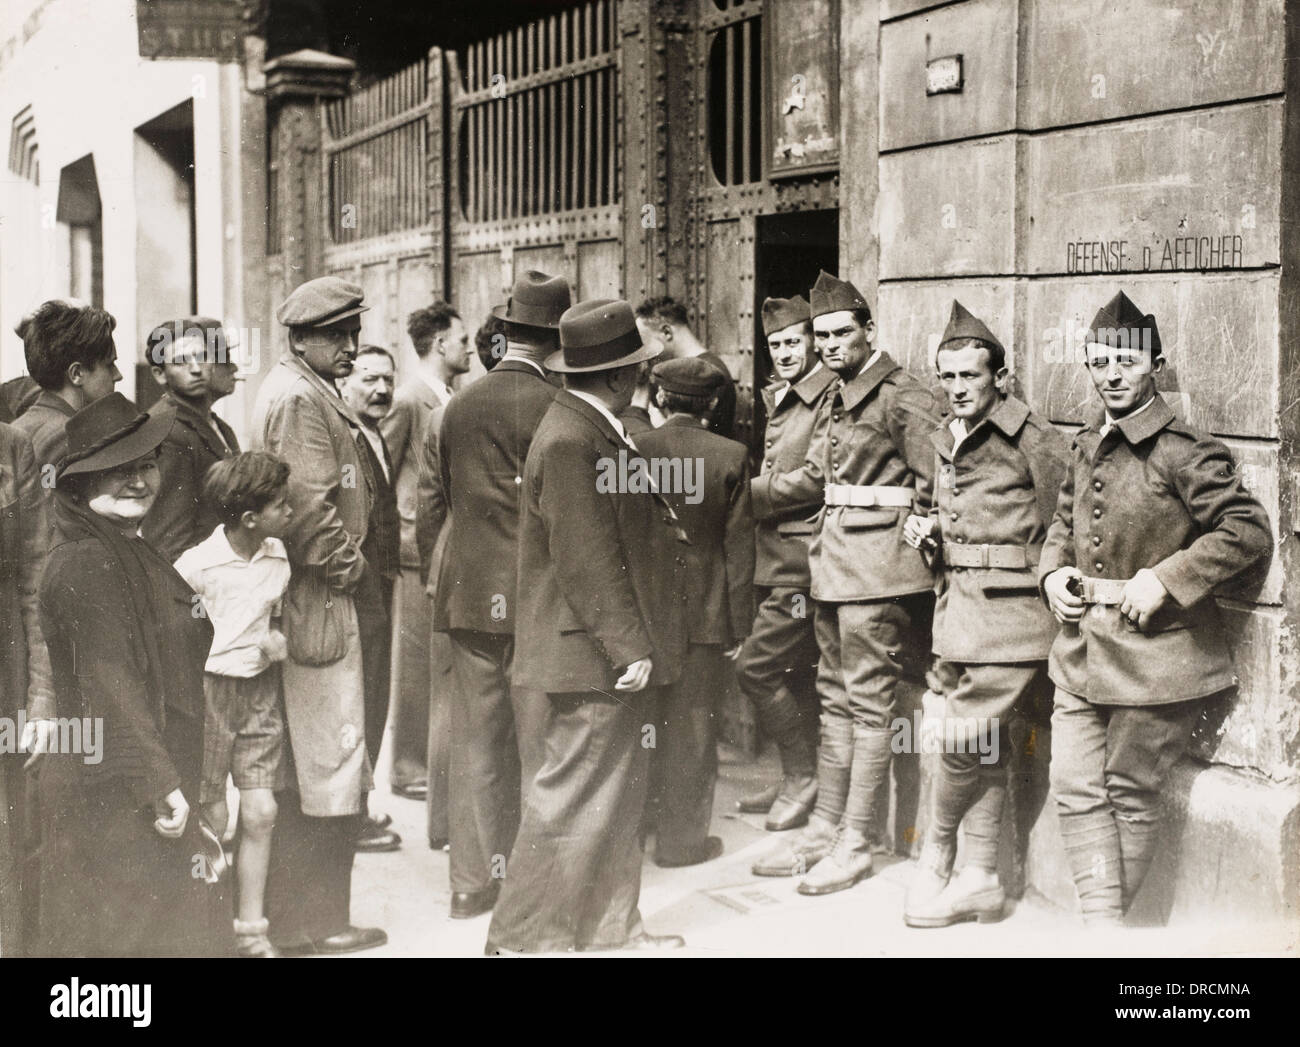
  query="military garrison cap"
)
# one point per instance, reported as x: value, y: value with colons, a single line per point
x: 690, y: 376
x: 320, y: 303
x: 780, y: 313
x: 963, y: 324
x: 831, y: 295
x: 1122, y: 325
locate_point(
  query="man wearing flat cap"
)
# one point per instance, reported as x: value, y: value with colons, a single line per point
x: 874, y: 595
x: 300, y: 417
x: 998, y: 470
x: 479, y: 450
x: 777, y: 667
x: 601, y: 627
x: 705, y: 478
x: 1152, y: 518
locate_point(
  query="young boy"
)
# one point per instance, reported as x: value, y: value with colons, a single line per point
x: 240, y: 572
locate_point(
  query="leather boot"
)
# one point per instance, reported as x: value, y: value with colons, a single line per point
x: 1092, y: 847
x: 933, y: 870
x: 1137, y: 844
x: 759, y: 802
x: 796, y: 854
x: 848, y: 862
x: 967, y: 897
x: 793, y: 805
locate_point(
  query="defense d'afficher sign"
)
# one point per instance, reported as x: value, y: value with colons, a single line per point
x: 189, y: 28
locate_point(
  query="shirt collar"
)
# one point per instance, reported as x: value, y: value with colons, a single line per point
x: 217, y: 550
x: 521, y: 358
x: 596, y: 402
x: 440, y: 388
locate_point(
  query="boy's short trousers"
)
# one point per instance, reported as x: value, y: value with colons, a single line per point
x: 243, y: 733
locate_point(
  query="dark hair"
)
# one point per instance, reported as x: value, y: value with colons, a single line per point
x: 663, y: 308
x: 997, y: 354
x: 375, y: 350
x: 58, y: 335
x: 424, y: 323
x: 686, y: 403
x: 165, y: 334
x: 246, y: 483
x: 485, y: 340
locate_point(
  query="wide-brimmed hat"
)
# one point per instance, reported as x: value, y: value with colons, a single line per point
x: 536, y: 300
x: 110, y: 432
x: 599, y: 335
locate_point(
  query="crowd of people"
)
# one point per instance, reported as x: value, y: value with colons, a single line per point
x: 538, y: 582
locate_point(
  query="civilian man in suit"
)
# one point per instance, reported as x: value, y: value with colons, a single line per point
x: 183, y: 356
x: 998, y: 467
x: 874, y: 594
x: 368, y: 390
x: 777, y: 667
x: 705, y: 478
x: 482, y: 445
x: 422, y: 658
x: 601, y: 622
x: 1151, y: 519
x: 300, y: 417
x: 663, y: 326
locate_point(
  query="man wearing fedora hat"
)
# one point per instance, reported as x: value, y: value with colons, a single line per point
x: 601, y: 626
x: 496, y: 730
x: 300, y: 417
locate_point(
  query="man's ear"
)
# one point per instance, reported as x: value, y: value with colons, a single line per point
x: 1157, y: 365
x: 248, y: 519
x: 666, y: 332
x: 76, y: 373
x: 870, y: 328
x: 158, y: 375
x: 1001, y: 379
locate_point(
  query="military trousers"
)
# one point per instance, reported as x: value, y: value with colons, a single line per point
x: 777, y: 666
x: 497, y: 735
x: 573, y: 880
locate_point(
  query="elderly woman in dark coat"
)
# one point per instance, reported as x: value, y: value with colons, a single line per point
x: 124, y: 857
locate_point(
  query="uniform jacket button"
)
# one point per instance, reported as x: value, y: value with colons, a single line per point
x: 1098, y: 566
x: 1096, y: 485
x: 1096, y: 514
x: 1096, y: 540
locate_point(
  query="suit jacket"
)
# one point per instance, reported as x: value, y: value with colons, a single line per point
x: 716, y: 515
x: 179, y: 519
x: 998, y: 488
x: 430, y: 504
x: 404, y: 429
x: 601, y: 575
x: 1152, y: 493
x: 383, y: 535
x: 24, y: 662
x: 486, y: 432
x: 788, y: 490
x: 878, y: 434
x: 300, y: 418
x: 636, y: 420
x: 43, y: 423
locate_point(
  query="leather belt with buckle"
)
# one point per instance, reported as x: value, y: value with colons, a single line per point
x: 1009, y: 557
x: 860, y: 496
x: 1105, y: 591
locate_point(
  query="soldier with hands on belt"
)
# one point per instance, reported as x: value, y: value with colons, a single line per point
x: 777, y: 667
x: 1151, y: 519
x: 874, y: 594
x: 997, y: 474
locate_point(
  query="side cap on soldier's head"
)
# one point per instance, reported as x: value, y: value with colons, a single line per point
x: 832, y: 295
x: 780, y: 313
x: 1122, y: 325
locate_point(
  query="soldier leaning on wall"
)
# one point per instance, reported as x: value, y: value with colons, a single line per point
x: 1151, y: 518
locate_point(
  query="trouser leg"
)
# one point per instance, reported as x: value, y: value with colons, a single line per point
x: 309, y: 882
x: 410, y: 701
x: 835, y: 756
x: 441, y: 684
x: 374, y: 622
x: 687, y: 754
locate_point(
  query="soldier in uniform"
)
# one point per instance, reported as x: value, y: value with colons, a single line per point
x: 997, y: 474
x: 874, y: 594
x: 713, y: 504
x: 777, y: 666
x: 1151, y: 518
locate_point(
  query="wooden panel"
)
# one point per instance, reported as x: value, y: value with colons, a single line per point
x: 727, y: 257
x: 599, y: 270
x: 1092, y: 60
x: 1219, y: 334
x: 802, y: 45
x: 911, y: 317
x: 479, y: 286
x: 549, y: 259
x: 984, y: 34
x: 1189, y: 191
x: 949, y: 210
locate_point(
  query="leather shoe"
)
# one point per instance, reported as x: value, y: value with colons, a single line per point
x: 413, y: 791
x: 848, y: 861
x: 467, y: 904
x: 375, y: 840
x: 795, y: 855
x: 710, y: 849
x: 957, y: 904
x: 382, y: 822
x: 759, y: 802
x: 354, y: 939
x: 793, y: 806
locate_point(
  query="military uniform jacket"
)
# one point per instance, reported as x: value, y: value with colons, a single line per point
x: 787, y: 492
x: 720, y: 525
x: 877, y: 434
x: 999, y: 487
x: 601, y: 575
x: 1153, y: 493
x: 179, y: 519
x: 482, y: 446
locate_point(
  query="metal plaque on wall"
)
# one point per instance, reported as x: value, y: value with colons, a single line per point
x: 803, y: 97
x: 189, y: 28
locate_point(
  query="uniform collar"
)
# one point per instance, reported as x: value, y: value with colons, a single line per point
x: 1143, y: 423
x: 877, y: 368
x: 1008, y: 417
